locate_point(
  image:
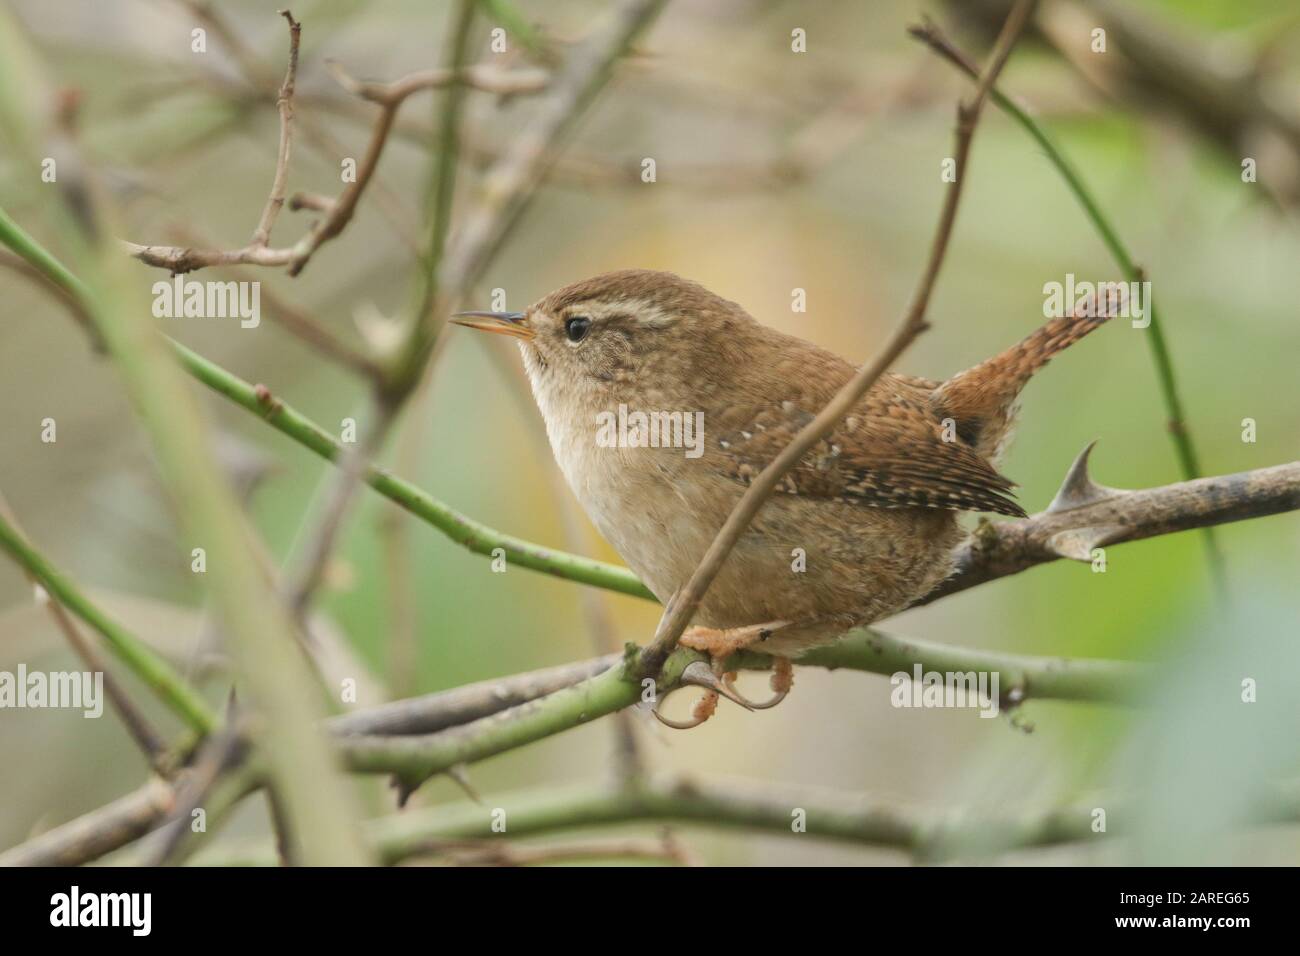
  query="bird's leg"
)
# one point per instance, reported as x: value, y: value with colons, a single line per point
x: 721, y: 644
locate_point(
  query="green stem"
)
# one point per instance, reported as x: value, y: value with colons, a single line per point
x: 461, y: 528
x: 409, y: 363
x: 1020, y: 676
x: 155, y: 672
x: 17, y: 239
x: 415, y: 758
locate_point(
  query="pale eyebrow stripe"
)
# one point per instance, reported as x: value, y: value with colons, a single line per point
x: 602, y: 310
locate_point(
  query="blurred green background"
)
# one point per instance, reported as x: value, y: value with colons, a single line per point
x: 775, y: 170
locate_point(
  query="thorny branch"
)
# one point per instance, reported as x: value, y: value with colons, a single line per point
x: 1085, y: 515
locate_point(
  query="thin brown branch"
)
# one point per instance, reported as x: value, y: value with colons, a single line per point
x: 218, y: 754
x: 137, y: 725
x: 254, y: 70
x: 389, y: 97
x: 313, y: 201
x: 76, y: 308
x: 101, y: 831
x: 683, y: 605
x: 258, y: 76
x: 284, y: 105
x: 460, y: 705
x: 399, y: 593
x: 484, y: 77
x: 148, y: 739
x: 302, y: 583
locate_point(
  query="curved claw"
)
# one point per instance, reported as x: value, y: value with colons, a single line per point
x: 777, y: 696
x: 699, y: 674
x: 781, y: 681
x: 700, y: 716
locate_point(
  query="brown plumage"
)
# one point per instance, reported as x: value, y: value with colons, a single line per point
x: 865, y: 524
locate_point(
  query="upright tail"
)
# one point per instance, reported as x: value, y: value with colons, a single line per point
x: 981, y: 401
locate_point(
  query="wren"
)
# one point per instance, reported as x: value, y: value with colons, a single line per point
x: 864, y: 525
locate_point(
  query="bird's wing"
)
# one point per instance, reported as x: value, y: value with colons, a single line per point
x: 890, y: 452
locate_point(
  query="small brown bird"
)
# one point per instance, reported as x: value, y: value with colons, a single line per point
x: 662, y: 401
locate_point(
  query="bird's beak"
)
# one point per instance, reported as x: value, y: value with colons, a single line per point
x: 502, y: 323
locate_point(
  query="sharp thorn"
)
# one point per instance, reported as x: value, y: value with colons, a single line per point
x: 1078, y: 488
x: 460, y: 774
x: 404, y: 790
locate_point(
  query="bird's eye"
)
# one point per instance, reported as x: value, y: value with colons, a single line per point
x: 577, y: 328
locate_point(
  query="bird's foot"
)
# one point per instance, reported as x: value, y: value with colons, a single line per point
x: 720, y: 644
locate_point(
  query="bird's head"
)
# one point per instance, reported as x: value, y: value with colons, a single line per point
x: 621, y: 335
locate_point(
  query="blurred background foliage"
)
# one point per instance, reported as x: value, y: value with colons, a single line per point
x: 775, y: 171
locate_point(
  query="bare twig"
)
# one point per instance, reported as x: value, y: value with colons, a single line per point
x: 137, y: 725
x: 101, y: 831
x: 141, y: 731
x: 74, y: 305
x: 389, y: 97
x: 284, y: 105
x: 460, y: 705
x: 403, y: 661
x: 484, y: 77
x: 158, y: 675
x: 414, y: 759
x: 258, y: 76
x: 254, y: 70
x: 303, y: 581
x: 682, y: 607
x: 257, y: 252
x: 219, y: 753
